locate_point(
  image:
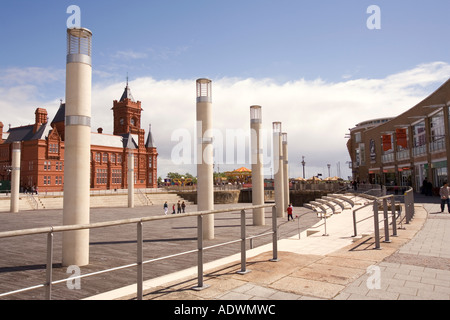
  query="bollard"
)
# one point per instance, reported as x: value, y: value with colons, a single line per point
x: 386, y: 222
x: 355, y: 233
x: 325, y: 217
x: 200, y: 284
x: 48, y: 289
x: 140, y: 260
x: 275, y: 235
x: 243, y: 246
x: 394, y: 218
x: 376, y: 224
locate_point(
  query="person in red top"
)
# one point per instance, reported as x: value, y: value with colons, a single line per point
x: 289, y: 212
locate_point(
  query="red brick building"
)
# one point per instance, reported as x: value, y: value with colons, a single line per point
x: 42, y: 161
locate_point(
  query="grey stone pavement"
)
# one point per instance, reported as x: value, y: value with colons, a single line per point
x: 23, y: 259
x: 414, y: 265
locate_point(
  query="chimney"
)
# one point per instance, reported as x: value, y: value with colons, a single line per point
x: 1, y: 132
x: 40, y: 119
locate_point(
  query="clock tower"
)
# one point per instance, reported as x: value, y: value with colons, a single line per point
x: 127, y: 114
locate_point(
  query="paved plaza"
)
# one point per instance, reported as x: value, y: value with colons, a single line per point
x: 413, y: 265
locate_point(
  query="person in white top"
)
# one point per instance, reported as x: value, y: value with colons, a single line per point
x: 444, y: 193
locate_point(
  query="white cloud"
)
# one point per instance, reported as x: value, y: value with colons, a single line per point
x: 129, y: 55
x: 315, y: 114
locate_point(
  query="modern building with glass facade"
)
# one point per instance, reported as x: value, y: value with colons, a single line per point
x: 407, y: 149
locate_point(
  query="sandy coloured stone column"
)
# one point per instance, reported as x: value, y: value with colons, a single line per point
x: 15, y: 176
x: 76, y: 207
x: 278, y: 169
x: 285, y: 170
x: 205, y: 178
x: 130, y: 179
x: 257, y: 165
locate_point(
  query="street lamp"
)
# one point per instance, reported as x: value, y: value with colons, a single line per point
x: 303, y: 164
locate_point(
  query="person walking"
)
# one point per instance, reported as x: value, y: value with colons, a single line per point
x: 289, y: 212
x: 178, y: 207
x: 173, y: 208
x: 166, y: 208
x: 183, y: 206
x: 444, y: 193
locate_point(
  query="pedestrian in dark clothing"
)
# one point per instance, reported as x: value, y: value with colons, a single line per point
x: 444, y: 192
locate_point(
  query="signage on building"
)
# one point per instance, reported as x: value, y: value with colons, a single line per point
x: 387, y: 142
x: 373, y: 153
x: 402, y: 140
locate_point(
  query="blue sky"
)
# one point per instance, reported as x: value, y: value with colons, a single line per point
x: 312, y: 44
x: 285, y: 40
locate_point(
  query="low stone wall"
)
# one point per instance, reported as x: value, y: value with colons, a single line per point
x: 300, y: 197
x: 297, y: 197
x: 220, y: 197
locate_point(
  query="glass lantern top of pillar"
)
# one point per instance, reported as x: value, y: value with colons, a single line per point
x: 276, y: 127
x: 204, y: 90
x: 255, y: 113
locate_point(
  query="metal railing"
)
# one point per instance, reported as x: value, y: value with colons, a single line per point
x: 50, y: 231
x: 409, y: 213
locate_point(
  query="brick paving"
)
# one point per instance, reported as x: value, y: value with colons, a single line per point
x: 23, y: 259
x: 419, y: 270
x: 414, y: 265
x: 342, y: 274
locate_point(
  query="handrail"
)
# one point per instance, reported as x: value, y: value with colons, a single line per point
x: 140, y: 263
x: 33, y: 202
x: 409, y: 203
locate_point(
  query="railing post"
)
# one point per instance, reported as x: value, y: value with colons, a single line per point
x: 200, y: 284
x: 140, y: 259
x: 243, y: 245
x: 48, y: 289
x: 386, y: 221
x: 394, y: 218
x: 325, y: 217
x: 409, y: 206
x: 376, y: 224
x: 275, y: 235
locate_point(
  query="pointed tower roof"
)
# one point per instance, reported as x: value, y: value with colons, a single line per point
x: 150, y: 141
x: 128, y: 141
x: 127, y: 94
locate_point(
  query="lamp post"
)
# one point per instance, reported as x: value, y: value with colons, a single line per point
x: 15, y: 176
x: 76, y: 207
x: 303, y: 164
x: 205, y: 170
x: 278, y: 168
x: 257, y: 165
x: 285, y: 169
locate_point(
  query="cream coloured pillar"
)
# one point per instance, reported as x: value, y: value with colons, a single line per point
x: 205, y: 179
x: 76, y: 207
x: 278, y: 169
x: 15, y: 176
x: 130, y: 179
x: 285, y: 171
x: 257, y: 165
